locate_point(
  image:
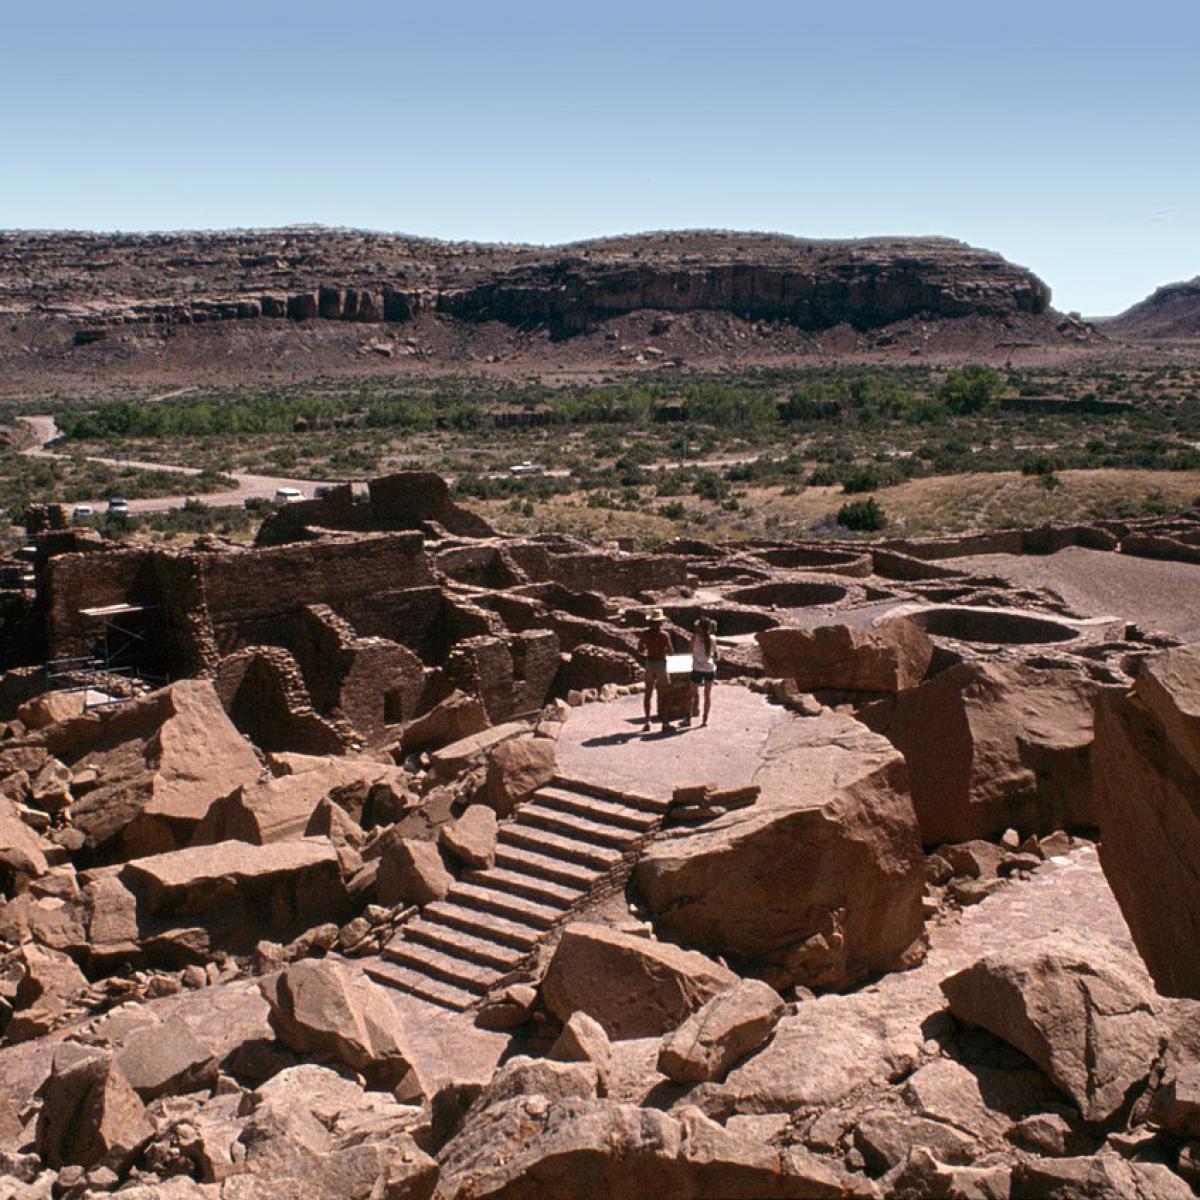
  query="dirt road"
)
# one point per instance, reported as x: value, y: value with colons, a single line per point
x: 257, y: 486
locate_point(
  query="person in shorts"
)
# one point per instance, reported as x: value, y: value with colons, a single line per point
x: 654, y: 644
x: 704, y: 667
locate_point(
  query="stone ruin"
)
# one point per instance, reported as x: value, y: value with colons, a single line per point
x: 383, y: 892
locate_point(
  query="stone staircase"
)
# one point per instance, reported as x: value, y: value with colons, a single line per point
x: 569, y: 843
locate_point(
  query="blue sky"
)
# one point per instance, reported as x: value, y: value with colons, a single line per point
x: 1064, y: 135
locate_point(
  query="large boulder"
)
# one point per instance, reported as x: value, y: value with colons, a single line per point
x: 587, y: 1149
x: 456, y: 717
x: 321, y: 1008
x: 285, y: 883
x: 1147, y: 772
x: 1081, y: 1008
x: 516, y: 769
x: 22, y: 855
x: 411, y: 871
x: 820, y: 881
x: 729, y: 1027
x: 992, y: 746
x: 887, y: 658
x: 90, y: 1115
x: 632, y: 986
x: 48, y: 981
x: 160, y: 762
x: 472, y: 837
x: 311, y: 1132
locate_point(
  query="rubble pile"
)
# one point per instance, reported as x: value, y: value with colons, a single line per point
x: 358, y: 903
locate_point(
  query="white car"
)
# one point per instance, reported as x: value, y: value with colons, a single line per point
x: 81, y: 512
x: 288, y: 495
x: 526, y: 468
x: 118, y: 506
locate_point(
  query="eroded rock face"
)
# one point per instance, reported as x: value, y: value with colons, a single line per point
x: 1147, y: 772
x: 992, y: 746
x: 632, y: 986
x: 820, y: 881
x: 887, y: 658
x: 1082, y: 1009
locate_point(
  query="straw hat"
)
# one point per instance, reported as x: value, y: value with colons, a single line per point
x: 656, y: 616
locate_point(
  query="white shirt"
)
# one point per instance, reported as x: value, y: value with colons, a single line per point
x: 701, y: 659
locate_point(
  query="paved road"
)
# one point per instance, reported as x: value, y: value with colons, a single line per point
x: 259, y: 486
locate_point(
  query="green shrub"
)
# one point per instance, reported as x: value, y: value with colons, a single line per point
x: 970, y: 389
x: 863, y: 516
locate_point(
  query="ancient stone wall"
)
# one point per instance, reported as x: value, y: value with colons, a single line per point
x: 409, y: 500
x: 593, y: 571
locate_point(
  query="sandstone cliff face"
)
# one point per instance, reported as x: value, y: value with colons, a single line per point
x: 815, y: 285
x: 306, y: 275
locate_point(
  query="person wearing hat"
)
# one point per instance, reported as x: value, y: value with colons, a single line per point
x: 704, y: 667
x: 654, y: 644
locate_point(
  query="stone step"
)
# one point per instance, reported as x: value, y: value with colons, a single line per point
x: 485, y: 924
x: 544, y: 891
x: 453, y: 941
x: 555, y: 845
x: 631, y: 800
x: 614, y: 812
x: 572, y: 824
x: 405, y: 979
x: 530, y: 862
x: 518, y: 908
x: 470, y: 976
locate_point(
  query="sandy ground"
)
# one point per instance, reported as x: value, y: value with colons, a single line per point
x: 1156, y: 594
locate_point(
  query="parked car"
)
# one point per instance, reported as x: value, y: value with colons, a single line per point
x: 118, y: 506
x: 526, y: 468
x: 288, y: 495
x: 81, y: 512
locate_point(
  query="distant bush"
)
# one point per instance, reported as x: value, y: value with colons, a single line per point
x: 970, y: 389
x: 863, y: 516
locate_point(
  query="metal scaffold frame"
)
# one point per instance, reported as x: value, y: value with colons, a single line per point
x: 118, y: 644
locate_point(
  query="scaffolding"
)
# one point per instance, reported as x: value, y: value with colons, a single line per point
x: 118, y: 652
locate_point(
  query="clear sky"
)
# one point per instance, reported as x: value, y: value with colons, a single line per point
x: 1065, y: 135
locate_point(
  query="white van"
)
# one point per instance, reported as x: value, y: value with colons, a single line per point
x: 288, y: 495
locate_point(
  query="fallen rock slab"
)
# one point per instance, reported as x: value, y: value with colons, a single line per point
x: 90, y: 1115
x: 993, y: 745
x: 598, y: 1149
x: 1100, y: 1177
x: 296, y: 880
x: 411, y: 871
x: 889, y: 657
x: 820, y: 881
x: 632, y: 986
x: 164, y: 759
x: 1081, y: 1009
x: 516, y: 769
x: 472, y: 837
x: 319, y: 1007
x: 583, y: 1040
x: 166, y: 1058
x: 715, y: 1037
x: 1147, y: 772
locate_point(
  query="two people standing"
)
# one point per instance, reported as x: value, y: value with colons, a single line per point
x: 654, y: 644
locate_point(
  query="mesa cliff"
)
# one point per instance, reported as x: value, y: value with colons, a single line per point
x: 341, y: 275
